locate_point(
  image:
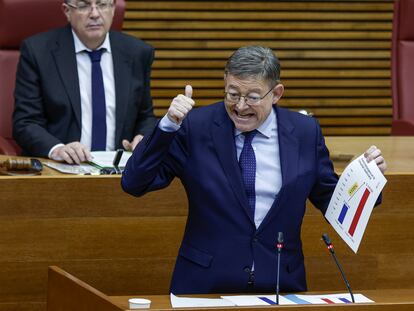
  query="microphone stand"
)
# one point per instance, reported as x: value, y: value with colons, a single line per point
x: 117, y: 159
x: 328, y: 243
x: 279, y: 247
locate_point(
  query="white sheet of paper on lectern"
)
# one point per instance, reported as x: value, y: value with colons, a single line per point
x: 189, y: 302
x: 257, y: 300
x: 328, y: 298
x: 353, y: 200
x: 265, y: 300
x: 293, y: 299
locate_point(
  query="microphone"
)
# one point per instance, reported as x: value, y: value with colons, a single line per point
x: 117, y: 159
x: 328, y: 243
x: 115, y: 163
x: 279, y: 247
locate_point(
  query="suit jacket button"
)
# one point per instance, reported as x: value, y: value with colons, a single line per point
x: 246, y: 269
x: 255, y: 240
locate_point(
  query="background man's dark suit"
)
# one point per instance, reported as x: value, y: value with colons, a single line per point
x: 220, y: 241
x: 48, y: 107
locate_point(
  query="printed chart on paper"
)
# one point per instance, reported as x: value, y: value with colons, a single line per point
x: 353, y: 200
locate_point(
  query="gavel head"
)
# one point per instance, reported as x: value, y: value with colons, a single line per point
x: 18, y: 164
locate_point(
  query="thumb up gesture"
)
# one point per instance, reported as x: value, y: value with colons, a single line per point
x: 181, y: 105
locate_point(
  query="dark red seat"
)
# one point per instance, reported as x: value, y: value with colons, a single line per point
x: 20, y: 19
x: 402, y: 68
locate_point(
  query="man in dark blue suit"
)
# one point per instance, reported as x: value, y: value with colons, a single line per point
x: 56, y: 113
x: 248, y: 167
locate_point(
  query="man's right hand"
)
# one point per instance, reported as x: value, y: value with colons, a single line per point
x: 180, y: 106
x: 71, y: 153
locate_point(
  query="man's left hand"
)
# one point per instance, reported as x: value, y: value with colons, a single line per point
x: 130, y: 146
x: 374, y: 154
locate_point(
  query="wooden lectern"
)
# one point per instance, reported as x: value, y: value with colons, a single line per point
x: 67, y: 293
x: 88, y: 226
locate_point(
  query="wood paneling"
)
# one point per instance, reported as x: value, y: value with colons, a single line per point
x: 125, y: 245
x: 335, y: 55
x: 68, y: 293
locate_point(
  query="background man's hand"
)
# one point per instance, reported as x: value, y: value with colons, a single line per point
x: 71, y: 153
x: 181, y: 105
x: 130, y: 146
x: 373, y: 153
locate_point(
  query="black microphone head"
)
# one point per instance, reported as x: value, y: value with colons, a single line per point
x: 280, y: 237
x: 326, y: 239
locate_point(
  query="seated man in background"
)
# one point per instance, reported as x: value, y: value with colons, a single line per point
x: 82, y: 87
x: 248, y: 166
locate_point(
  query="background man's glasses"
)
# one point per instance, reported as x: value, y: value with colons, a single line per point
x: 87, y: 7
x: 249, y: 99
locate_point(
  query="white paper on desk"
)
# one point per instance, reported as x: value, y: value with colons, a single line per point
x: 186, y: 302
x: 353, y: 200
x: 106, y: 158
x: 81, y: 169
x: 328, y: 298
x: 257, y: 300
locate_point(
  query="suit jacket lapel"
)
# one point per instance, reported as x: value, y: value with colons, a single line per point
x: 288, y: 148
x: 122, y: 76
x: 65, y: 58
x: 289, y: 156
x: 223, y: 137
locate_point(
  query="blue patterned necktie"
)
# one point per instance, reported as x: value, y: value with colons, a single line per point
x: 98, y: 103
x: 247, y: 162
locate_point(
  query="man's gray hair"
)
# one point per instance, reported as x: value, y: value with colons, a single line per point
x: 254, y: 61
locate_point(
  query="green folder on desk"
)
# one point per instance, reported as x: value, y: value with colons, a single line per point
x: 105, y: 159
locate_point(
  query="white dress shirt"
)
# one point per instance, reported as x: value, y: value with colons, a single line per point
x: 268, y: 170
x: 85, y: 86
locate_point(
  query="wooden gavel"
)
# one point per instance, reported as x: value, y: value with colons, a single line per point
x: 16, y: 164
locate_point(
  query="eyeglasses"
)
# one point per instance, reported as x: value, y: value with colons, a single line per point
x: 87, y: 7
x: 249, y: 99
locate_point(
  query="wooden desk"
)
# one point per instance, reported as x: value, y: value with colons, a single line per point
x: 67, y: 293
x: 398, y: 151
x: 88, y: 225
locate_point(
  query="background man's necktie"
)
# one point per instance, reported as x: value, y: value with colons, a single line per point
x: 247, y: 162
x: 98, y: 103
